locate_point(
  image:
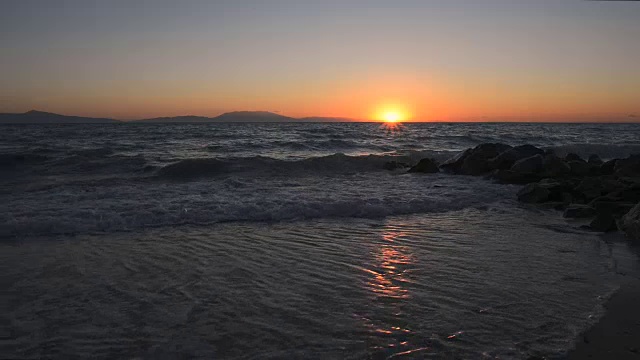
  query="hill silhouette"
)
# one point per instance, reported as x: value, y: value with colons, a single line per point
x: 41, y: 117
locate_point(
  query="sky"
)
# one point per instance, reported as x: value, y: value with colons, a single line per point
x: 475, y: 60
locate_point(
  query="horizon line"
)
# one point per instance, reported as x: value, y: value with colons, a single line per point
x: 595, y: 119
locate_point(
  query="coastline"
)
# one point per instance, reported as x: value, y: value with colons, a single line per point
x: 617, y: 334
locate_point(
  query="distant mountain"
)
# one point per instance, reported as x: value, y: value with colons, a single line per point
x: 39, y: 117
x: 326, y: 119
x: 252, y: 116
x: 177, y: 119
x: 236, y: 116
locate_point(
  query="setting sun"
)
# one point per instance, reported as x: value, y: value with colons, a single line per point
x: 391, y: 116
x: 391, y: 113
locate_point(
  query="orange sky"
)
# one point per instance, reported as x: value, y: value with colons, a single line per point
x: 430, y: 61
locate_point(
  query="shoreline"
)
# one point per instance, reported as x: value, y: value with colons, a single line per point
x: 617, y: 334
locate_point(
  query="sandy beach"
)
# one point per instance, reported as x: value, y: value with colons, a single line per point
x: 617, y: 334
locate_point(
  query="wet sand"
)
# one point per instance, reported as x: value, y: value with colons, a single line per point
x: 617, y: 334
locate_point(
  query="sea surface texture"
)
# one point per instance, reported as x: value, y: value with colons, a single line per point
x: 254, y: 241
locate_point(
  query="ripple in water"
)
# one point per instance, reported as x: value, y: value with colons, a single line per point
x: 462, y: 284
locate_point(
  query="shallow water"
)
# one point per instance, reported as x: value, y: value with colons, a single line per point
x: 463, y: 284
x: 254, y: 241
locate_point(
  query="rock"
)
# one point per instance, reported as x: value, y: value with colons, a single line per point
x: 595, y: 160
x: 475, y: 164
x: 530, y: 165
x: 615, y: 208
x: 507, y: 158
x: 603, y: 223
x: 474, y: 161
x: 608, y: 167
x: 630, y: 223
x: 453, y: 165
x: 512, y: 177
x: 628, y: 167
x: 392, y: 165
x: 573, y: 157
x: 607, y: 212
x: 629, y: 193
x: 553, y: 166
x: 425, y: 165
x: 560, y: 190
x: 533, y: 193
x: 577, y: 211
x: 593, y: 187
x: 579, y: 168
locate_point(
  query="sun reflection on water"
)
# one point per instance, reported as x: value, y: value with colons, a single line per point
x: 392, y: 261
x: 391, y: 266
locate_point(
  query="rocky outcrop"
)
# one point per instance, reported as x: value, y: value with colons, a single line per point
x: 475, y: 161
x: 533, y: 193
x: 393, y: 165
x: 628, y: 167
x: 553, y: 166
x: 506, y: 159
x: 630, y: 223
x: 530, y: 165
x: 604, y: 191
x: 425, y: 166
x: 579, y: 211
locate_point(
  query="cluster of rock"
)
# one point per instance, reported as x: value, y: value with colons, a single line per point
x: 607, y: 191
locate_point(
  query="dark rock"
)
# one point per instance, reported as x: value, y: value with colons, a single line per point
x: 475, y: 161
x: 566, y: 197
x: 628, y: 167
x: 553, y: 166
x: 616, y: 208
x: 603, y: 223
x: 608, y: 167
x: 593, y: 187
x: 630, y: 223
x: 506, y: 159
x: 393, y: 165
x: 530, y: 165
x: 475, y: 164
x: 453, y: 165
x: 579, y: 168
x: 630, y: 193
x: 560, y: 190
x: 579, y: 211
x: 573, y: 157
x: 425, y: 165
x: 512, y: 177
x: 595, y: 160
x: 533, y: 193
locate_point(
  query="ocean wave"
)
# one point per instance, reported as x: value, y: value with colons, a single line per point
x: 237, y: 199
x: 257, y: 165
x: 191, y: 168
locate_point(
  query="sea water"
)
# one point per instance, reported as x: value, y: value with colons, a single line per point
x: 290, y: 241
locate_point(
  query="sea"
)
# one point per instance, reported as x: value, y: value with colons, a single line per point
x: 291, y: 241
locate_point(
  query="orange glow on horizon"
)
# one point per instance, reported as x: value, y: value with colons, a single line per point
x: 391, y: 113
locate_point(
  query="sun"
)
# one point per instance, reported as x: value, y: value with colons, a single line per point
x: 392, y: 116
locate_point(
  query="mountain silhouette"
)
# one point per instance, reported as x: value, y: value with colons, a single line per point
x: 40, y: 117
